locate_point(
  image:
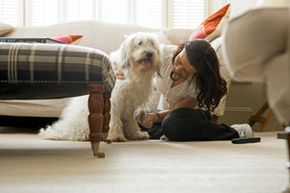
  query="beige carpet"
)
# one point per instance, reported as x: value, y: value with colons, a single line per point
x: 29, y: 164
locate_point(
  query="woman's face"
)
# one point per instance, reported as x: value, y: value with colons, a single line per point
x: 182, y: 66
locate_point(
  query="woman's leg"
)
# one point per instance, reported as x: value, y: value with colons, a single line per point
x: 188, y: 124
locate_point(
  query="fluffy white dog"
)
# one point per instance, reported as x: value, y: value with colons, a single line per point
x: 139, y: 59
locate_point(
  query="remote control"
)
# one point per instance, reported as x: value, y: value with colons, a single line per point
x: 241, y: 140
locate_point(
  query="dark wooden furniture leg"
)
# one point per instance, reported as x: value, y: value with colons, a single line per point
x: 288, y: 148
x: 262, y: 117
x: 106, y: 115
x: 95, y: 118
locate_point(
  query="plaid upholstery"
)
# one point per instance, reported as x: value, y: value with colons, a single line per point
x: 52, y: 66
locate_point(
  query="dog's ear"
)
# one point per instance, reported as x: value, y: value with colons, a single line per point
x: 125, y: 64
x: 124, y: 48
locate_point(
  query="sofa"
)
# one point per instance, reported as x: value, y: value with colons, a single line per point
x: 103, y: 36
x: 256, y: 48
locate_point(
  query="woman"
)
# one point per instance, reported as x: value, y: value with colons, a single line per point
x: 191, y: 87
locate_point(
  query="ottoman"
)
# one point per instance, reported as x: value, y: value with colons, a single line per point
x: 50, y: 71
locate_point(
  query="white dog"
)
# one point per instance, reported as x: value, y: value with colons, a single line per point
x: 139, y: 59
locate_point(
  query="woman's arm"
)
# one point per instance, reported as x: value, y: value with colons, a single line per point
x: 159, y: 116
x: 184, y: 103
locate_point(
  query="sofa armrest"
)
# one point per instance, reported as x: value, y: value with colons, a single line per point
x: 253, y: 39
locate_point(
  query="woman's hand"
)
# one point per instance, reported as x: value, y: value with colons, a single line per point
x: 145, y: 119
x: 118, y: 72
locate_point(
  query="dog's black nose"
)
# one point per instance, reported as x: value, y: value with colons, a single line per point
x: 148, y: 54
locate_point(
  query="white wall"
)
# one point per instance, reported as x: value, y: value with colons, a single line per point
x: 237, y: 6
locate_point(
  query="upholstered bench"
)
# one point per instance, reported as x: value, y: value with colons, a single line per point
x: 49, y: 71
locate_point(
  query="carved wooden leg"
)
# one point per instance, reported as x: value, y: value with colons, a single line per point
x: 95, y: 118
x: 262, y: 116
x: 288, y: 148
x: 106, y: 114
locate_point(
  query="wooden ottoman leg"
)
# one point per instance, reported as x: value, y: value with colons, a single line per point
x: 288, y: 148
x: 95, y: 118
x: 106, y: 114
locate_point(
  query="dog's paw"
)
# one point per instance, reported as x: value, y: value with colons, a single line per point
x: 116, y: 139
x: 114, y: 136
x: 139, y: 136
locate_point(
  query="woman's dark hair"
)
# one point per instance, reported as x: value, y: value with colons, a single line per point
x: 211, y: 86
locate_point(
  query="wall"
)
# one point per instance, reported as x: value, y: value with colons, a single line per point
x: 237, y: 6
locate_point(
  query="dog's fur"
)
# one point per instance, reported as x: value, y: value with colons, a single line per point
x: 139, y: 59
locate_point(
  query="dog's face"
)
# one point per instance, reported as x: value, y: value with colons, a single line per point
x: 141, y: 53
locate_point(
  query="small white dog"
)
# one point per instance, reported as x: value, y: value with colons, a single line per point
x: 139, y: 59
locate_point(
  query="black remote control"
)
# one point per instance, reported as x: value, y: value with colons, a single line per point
x: 241, y: 140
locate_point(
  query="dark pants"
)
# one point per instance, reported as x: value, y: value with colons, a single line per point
x: 188, y: 124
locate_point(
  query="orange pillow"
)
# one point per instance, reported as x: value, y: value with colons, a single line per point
x: 67, y: 39
x: 211, y: 28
